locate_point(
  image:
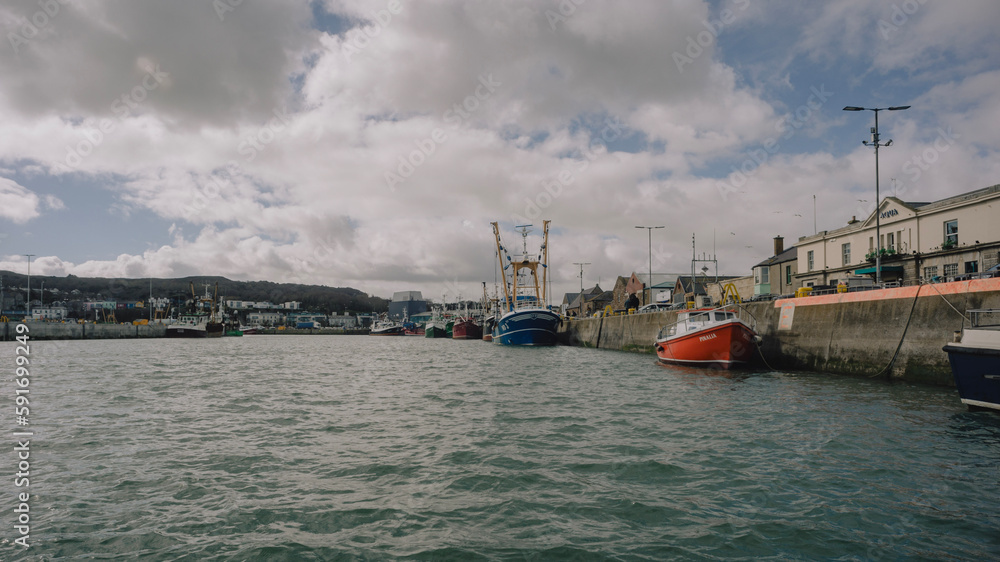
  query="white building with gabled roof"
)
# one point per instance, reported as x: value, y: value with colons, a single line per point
x: 921, y: 242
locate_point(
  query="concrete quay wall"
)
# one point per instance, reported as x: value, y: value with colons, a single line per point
x: 58, y: 331
x: 896, y: 333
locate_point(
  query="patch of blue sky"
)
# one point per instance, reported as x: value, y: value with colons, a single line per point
x: 527, y: 139
x: 610, y: 131
x: 93, y: 223
x: 327, y: 22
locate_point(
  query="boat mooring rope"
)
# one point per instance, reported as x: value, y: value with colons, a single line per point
x: 902, y: 338
x: 960, y: 313
x: 760, y: 352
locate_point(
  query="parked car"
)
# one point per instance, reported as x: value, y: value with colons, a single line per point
x: 654, y: 307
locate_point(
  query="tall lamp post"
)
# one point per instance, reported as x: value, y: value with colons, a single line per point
x: 581, y: 264
x: 28, y: 303
x: 650, y: 288
x: 876, y: 142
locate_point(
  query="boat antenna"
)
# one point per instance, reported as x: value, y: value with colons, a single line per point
x: 523, y: 229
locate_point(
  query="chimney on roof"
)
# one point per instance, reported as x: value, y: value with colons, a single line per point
x: 779, y: 245
x: 854, y: 219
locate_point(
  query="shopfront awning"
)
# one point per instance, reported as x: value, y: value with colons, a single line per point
x: 885, y: 269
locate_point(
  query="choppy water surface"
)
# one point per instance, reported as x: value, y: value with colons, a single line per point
x: 340, y: 447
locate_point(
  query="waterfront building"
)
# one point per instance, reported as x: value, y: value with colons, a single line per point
x: 776, y: 274
x: 295, y: 318
x: 49, y: 313
x: 686, y: 289
x: 405, y: 304
x: 261, y: 305
x: 658, y: 288
x: 587, y: 302
x: 569, y: 299
x: 261, y: 318
x: 342, y: 321
x: 922, y: 242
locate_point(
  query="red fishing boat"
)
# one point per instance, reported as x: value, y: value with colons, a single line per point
x: 467, y: 328
x: 717, y: 337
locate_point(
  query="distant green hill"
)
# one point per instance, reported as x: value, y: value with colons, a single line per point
x: 316, y: 298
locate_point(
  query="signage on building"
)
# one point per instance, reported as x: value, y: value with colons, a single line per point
x: 889, y: 213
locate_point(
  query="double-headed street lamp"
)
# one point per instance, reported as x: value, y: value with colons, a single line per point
x: 28, y: 304
x: 650, y: 289
x: 878, y: 201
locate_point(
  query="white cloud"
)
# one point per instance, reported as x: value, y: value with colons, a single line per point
x: 17, y: 203
x: 301, y: 194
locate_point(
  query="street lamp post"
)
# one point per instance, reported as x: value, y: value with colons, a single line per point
x: 650, y: 288
x: 581, y: 264
x: 28, y: 303
x: 878, y: 201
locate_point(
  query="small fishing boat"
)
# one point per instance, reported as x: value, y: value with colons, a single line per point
x: 436, y: 326
x: 488, y: 326
x: 489, y: 314
x: 708, y: 337
x: 467, y: 328
x: 975, y: 360
x: 198, y: 324
x: 526, y: 318
x: 195, y: 325
x: 386, y: 327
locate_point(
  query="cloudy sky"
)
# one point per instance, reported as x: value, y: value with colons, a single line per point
x: 370, y: 143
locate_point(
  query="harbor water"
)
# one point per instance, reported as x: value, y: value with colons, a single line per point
x: 356, y: 447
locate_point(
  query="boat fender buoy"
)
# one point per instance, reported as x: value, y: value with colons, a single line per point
x: 757, y: 340
x: 657, y: 348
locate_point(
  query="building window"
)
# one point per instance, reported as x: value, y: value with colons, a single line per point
x: 788, y: 274
x: 971, y: 267
x: 950, y: 269
x: 846, y: 249
x: 761, y: 278
x: 871, y: 243
x: 809, y: 260
x: 951, y: 233
x: 930, y: 272
x: 892, y: 242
